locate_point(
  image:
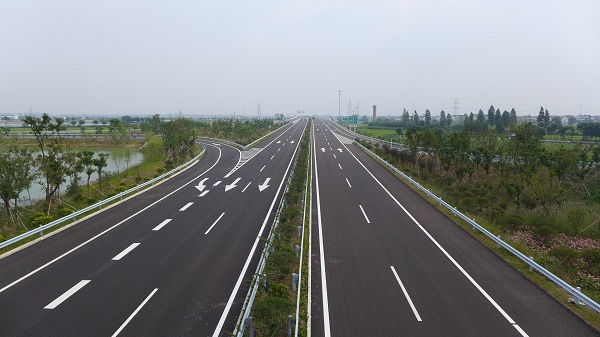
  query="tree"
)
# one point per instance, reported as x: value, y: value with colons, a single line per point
x: 81, y: 122
x: 415, y: 118
x: 449, y: 120
x: 100, y: 163
x: 73, y: 122
x: 442, y: 119
x: 505, y: 119
x: 546, y: 118
x: 179, y: 136
x: 513, y: 119
x: 480, y: 124
x: 427, y: 117
x: 405, y: 118
x: 541, y: 118
x: 87, y: 160
x: 491, y: 116
x: 15, y: 176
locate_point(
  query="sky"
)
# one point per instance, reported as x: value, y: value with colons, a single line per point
x: 142, y: 57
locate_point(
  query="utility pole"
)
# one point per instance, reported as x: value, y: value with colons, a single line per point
x: 339, y: 103
x: 455, y: 106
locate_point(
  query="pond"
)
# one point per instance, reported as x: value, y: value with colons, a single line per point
x: 118, y: 160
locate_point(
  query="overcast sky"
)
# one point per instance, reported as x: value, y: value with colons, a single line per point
x: 202, y: 57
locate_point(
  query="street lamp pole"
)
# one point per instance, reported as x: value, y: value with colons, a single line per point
x: 339, y: 104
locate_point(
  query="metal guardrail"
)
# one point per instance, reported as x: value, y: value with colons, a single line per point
x: 245, y: 320
x: 528, y: 260
x: 371, y: 139
x: 98, y: 205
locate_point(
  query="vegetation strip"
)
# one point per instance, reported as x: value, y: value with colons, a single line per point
x: 273, y: 305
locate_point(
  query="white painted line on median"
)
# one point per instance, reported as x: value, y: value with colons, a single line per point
x: 204, y: 193
x: 348, y: 181
x: 259, y: 238
x: 262, y: 168
x: 124, y: 252
x: 410, y: 302
x: 365, y: 214
x: 186, y: 206
x: 67, y: 294
x: 340, y: 166
x: 458, y: 266
x: 214, y: 223
x: 162, y: 224
x: 217, y: 183
x: 326, y: 326
x: 246, y: 187
x: 134, y: 313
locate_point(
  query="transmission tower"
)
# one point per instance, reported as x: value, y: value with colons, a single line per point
x: 349, y: 107
x: 357, y: 108
x: 455, y: 107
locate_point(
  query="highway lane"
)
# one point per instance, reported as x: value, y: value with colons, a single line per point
x: 172, y: 269
x: 388, y: 275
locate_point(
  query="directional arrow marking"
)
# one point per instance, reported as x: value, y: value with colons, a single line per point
x: 278, y: 142
x: 264, y: 185
x: 292, y: 142
x: 339, y: 149
x: 323, y: 149
x: 232, y: 185
x: 201, y: 185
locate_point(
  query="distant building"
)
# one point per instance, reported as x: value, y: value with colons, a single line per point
x: 374, y: 112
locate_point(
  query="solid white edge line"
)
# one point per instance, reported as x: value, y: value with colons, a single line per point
x: 67, y: 294
x: 464, y: 272
x: 125, y: 251
x: 162, y: 224
x: 246, y: 187
x: 326, y: 324
x: 214, y: 223
x: 256, y: 241
x: 134, y: 313
x: 348, y: 181
x: 364, y: 214
x: 186, y: 206
x: 309, y: 294
x: 410, y: 302
x: 109, y: 229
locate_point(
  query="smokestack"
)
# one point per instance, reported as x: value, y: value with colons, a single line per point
x: 374, y: 112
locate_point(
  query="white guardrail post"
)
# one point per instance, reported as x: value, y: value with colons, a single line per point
x: 98, y: 205
x: 528, y: 260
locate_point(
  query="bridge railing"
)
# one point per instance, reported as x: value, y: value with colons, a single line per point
x: 73, y: 216
x: 240, y: 146
x: 581, y: 298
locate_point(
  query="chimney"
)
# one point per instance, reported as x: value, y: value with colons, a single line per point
x: 374, y: 112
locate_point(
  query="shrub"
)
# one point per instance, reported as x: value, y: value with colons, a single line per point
x: 64, y: 211
x: 544, y: 233
x: 39, y: 218
x: 279, y: 290
x: 564, y: 254
x: 270, y: 314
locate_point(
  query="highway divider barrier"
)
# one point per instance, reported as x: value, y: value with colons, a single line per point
x: 576, y: 292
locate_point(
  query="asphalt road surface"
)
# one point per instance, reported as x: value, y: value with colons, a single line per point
x: 175, y: 260
x: 387, y: 263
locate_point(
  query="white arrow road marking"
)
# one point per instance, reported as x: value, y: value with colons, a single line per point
x: 67, y: 294
x: 339, y: 149
x: 278, y: 142
x: 186, y: 206
x: 217, y: 183
x: 214, y: 223
x: 323, y: 149
x: 201, y: 185
x: 292, y: 142
x: 232, y: 185
x: 162, y: 224
x: 124, y: 252
x: 264, y: 185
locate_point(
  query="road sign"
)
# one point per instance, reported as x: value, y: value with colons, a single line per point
x: 353, y: 120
